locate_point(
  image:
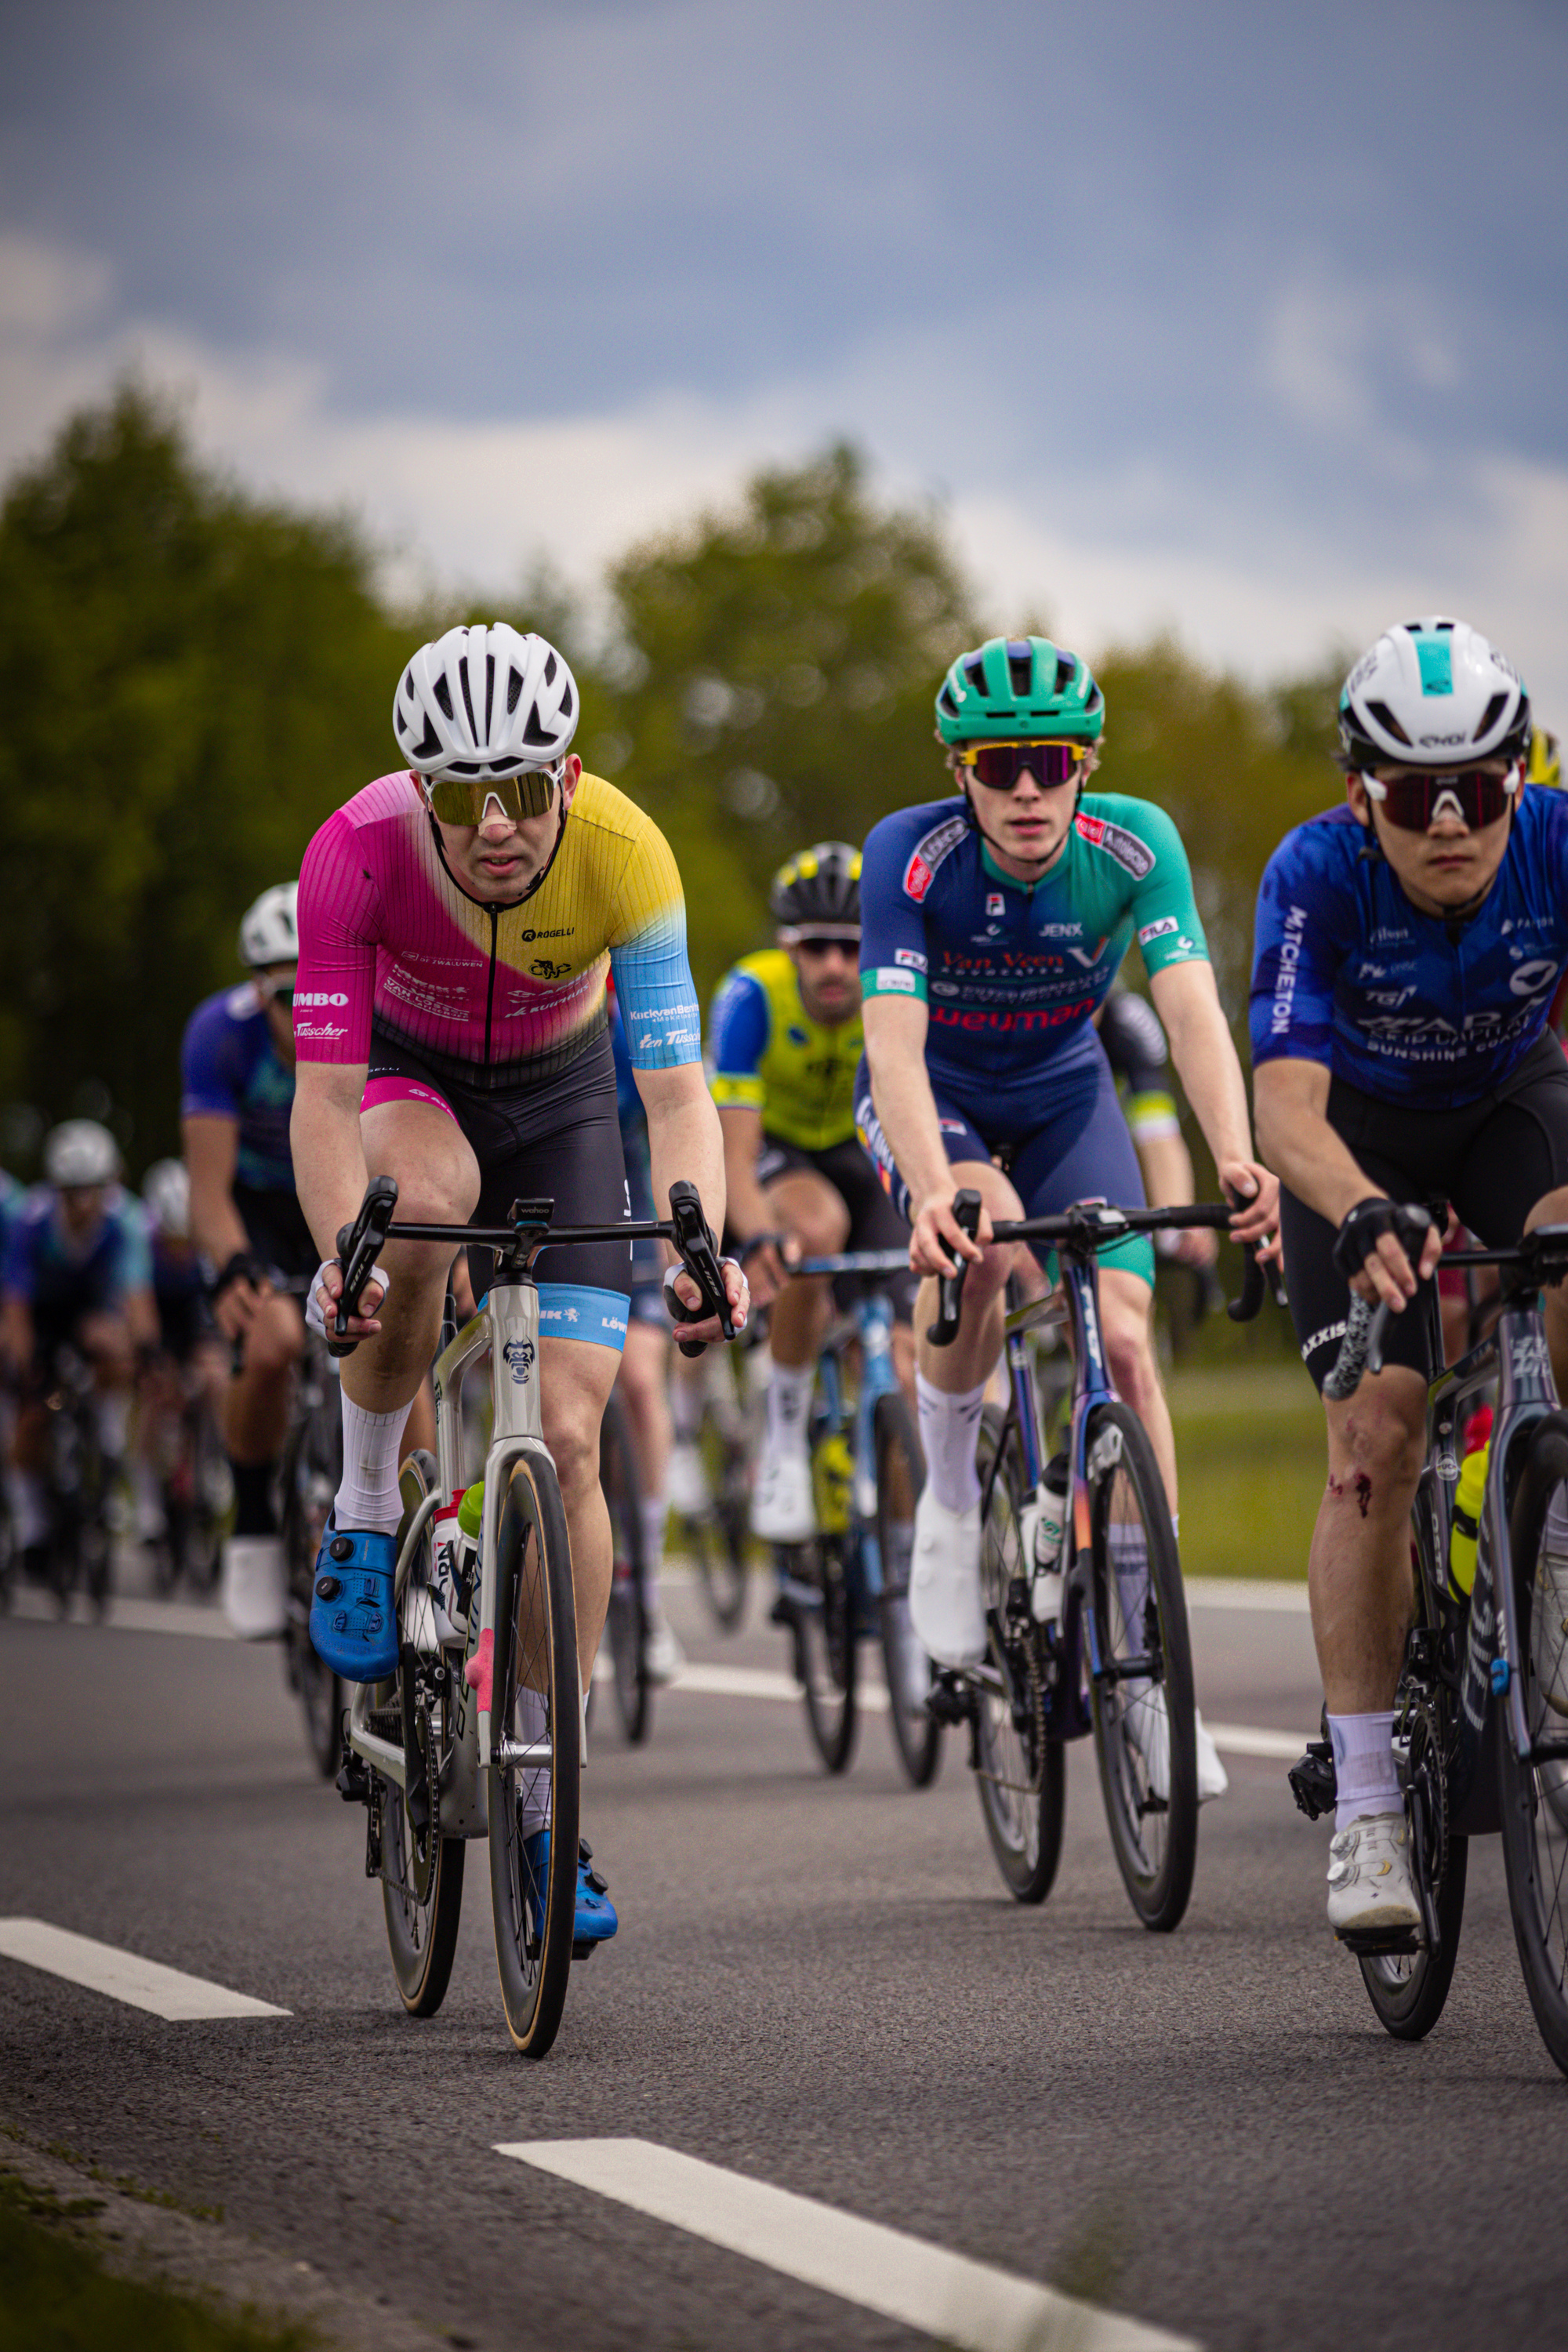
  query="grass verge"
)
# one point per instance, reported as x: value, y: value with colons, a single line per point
x: 1250, y: 1456
x: 56, y: 2295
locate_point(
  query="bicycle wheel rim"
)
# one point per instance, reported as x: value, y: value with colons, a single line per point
x: 900, y: 1475
x: 1534, y: 1796
x: 827, y: 1650
x: 1143, y: 1731
x: 536, y: 1710
x: 422, y: 1873
x: 1020, y: 1775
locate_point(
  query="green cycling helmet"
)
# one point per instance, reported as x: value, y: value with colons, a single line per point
x: 1012, y: 687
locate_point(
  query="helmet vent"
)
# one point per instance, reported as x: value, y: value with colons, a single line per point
x: 489, y: 689
x: 1066, y: 670
x: 945, y: 701
x: 1021, y: 667
x: 550, y: 669
x: 431, y: 745
x: 533, y: 732
x: 513, y: 689
x: 1387, y: 722
x: 442, y: 694
x: 468, y: 698
x: 565, y: 702
x: 1489, y: 717
x: 974, y: 671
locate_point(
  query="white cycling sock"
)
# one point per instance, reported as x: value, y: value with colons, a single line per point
x: 948, y: 1428
x: 532, y: 1788
x: 1555, y: 1535
x: 368, y: 1498
x: 685, y: 1404
x: 789, y: 1402
x: 654, y: 1515
x: 1365, y: 1772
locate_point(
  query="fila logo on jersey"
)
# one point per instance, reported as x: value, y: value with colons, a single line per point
x: 921, y: 871
x: 994, y: 903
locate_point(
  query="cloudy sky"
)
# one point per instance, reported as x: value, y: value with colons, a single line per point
x: 1251, y: 322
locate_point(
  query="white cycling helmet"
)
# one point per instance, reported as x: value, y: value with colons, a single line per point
x: 270, y: 931
x: 484, y: 702
x: 80, y: 1152
x: 1433, y: 693
x: 166, y: 1189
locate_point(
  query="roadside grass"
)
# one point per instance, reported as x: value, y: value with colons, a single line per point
x: 56, y: 2295
x: 1250, y: 1455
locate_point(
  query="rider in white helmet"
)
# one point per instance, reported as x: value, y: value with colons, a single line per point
x: 237, y: 1090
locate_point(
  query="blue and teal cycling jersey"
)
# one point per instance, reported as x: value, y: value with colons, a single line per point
x: 1012, y: 972
x: 58, y: 1277
x: 230, y: 1068
x: 1422, y: 1010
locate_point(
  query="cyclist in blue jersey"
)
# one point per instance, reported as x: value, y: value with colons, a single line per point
x: 993, y: 925
x: 1408, y: 948
x: 77, y: 1275
x: 643, y: 1379
x: 238, y: 1092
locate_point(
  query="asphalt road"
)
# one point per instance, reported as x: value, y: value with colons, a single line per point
x: 818, y: 1985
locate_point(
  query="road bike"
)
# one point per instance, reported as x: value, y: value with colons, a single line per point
x: 480, y: 1733
x: 717, y: 1538
x: 1481, y: 1713
x: 627, y: 1625
x: 849, y: 1584
x: 1092, y: 1639
x: 309, y: 1472
x: 78, y: 1478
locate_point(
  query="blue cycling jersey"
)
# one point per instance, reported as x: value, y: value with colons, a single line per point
x: 1417, y: 1009
x: 230, y: 1068
x: 1012, y: 972
x: 58, y: 1277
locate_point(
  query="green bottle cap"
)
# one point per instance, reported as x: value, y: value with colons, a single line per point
x: 471, y: 1508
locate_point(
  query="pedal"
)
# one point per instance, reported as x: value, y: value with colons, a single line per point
x: 353, y: 1780
x: 951, y: 1700
x: 1389, y: 1943
x: 1313, y: 1780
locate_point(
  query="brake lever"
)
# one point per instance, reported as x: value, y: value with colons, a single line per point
x: 359, y: 1246
x: 700, y: 1257
x: 950, y: 1286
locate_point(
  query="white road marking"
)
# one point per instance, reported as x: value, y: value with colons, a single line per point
x: 123, y: 1976
x: 886, y: 2270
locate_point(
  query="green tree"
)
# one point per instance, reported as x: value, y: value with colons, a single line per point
x: 773, y: 682
x: 193, y: 681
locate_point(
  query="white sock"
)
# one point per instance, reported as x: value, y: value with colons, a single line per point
x: 1364, y: 1771
x: 1556, y: 1529
x: 685, y: 1407
x: 1128, y: 1547
x: 789, y: 1401
x: 950, y: 1426
x: 654, y: 1516
x: 534, y: 1787
x: 368, y: 1498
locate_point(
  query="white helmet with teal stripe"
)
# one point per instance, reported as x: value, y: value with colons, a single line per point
x: 1432, y: 694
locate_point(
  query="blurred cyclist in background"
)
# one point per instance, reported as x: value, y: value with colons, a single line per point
x: 237, y: 1090
x: 77, y: 1275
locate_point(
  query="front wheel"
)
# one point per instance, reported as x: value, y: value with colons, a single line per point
x: 900, y: 1475
x: 1141, y: 1670
x: 1021, y: 1774
x: 826, y: 1651
x: 627, y: 1625
x: 535, y: 1756
x: 421, y: 1870
x: 1533, y: 1789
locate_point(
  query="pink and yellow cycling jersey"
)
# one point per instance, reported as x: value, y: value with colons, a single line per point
x: 515, y: 993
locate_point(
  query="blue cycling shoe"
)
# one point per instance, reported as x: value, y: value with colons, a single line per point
x: 596, y: 1920
x: 353, y: 1623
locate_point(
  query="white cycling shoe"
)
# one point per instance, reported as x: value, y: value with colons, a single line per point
x: 685, y: 1485
x: 1370, y: 1891
x: 662, y: 1654
x: 945, y: 1608
x: 254, y: 1586
x: 1149, y: 1729
x: 783, y: 1509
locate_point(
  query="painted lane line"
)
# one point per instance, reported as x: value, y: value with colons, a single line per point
x: 886, y: 2270
x: 124, y: 1976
